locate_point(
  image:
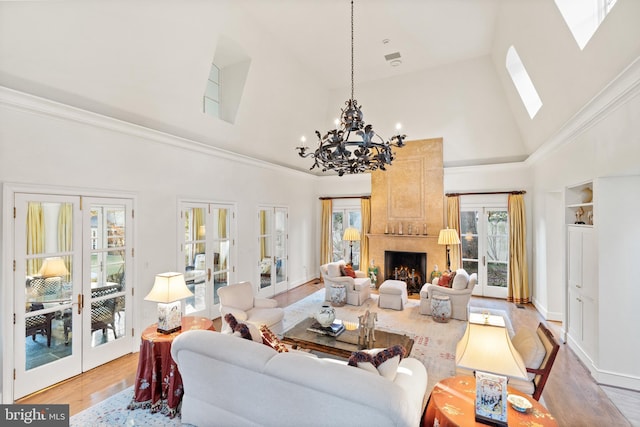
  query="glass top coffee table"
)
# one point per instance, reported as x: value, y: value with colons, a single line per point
x: 342, y: 345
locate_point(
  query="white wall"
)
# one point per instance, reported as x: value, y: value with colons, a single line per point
x: 464, y: 103
x: 72, y: 149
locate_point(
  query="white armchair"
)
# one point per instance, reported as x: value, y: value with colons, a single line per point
x: 358, y: 289
x: 459, y: 294
x: 238, y: 299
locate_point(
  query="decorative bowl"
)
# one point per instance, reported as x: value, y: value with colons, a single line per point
x: 519, y: 403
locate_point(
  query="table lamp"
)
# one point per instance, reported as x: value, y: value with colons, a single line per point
x: 351, y: 234
x: 448, y: 236
x: 487, y: 349
x: 53, y: 267
x: 168, y: 291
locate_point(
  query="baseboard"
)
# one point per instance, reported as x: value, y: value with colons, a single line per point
x: 547, y: 315
x: 615, y: 379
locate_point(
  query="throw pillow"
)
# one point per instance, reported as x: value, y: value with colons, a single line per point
x: 239, y: 329
x: 270, y: 339
x: 381, y: 361
x: 347, y: 270
x: 445, y: 280
x: 530, y: 348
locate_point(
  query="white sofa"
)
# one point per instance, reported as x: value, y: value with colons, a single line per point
x: 230, y: 381
x: 459, y: 294
x: 358, y: 289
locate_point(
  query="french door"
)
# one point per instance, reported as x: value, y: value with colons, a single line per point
x: 206, y: 254
x: 72, y: 309
x: 273, y: 250
x: 484, y: 234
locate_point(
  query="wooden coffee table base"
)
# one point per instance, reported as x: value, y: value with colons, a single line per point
x: 342, y: 345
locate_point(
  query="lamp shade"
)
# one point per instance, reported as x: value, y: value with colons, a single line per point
x: 486, y: 347
x: 351, y: 234
x: 448, y: 236
x: 53, y: 267
x: 169, y: 287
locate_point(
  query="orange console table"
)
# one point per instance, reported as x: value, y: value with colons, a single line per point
x: 158, y: 382
x: 452, y: 403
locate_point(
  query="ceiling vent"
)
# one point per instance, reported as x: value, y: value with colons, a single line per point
x: 393, y: 59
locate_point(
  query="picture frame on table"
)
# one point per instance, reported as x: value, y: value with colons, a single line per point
x: 491, y: 399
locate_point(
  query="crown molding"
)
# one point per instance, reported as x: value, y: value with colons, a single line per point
x: 620, y: 90
x: 33, y: 104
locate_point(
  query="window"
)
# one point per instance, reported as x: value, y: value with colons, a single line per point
x: 211, y: 100
x: 584, y: 17
x: 523, y: 82
x: 342, y: 218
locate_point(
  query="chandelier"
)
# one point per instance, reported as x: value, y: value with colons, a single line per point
x: 353, y: 146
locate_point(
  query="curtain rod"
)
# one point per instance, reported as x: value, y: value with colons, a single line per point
x: 485, y: 193
x: 344, y: 197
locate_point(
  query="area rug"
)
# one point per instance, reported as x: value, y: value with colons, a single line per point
x: 434, y: 345
x: 113, y: 412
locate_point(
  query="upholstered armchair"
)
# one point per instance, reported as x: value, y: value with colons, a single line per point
x: 238, y: 299
x: 358, y: 288
x: 459, y: 294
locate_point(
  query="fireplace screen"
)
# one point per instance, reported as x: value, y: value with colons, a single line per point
x: 410, y: 267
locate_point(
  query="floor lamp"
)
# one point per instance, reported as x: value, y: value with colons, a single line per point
x: 351, y: 234
x: 447, y: 237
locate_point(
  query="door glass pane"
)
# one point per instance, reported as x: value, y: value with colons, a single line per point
x: 281, y: 246
x: 221, y: 244
x: 469, y: 234
x: 265, y: 242
x: 108, y: 273
x: 497, y: 248
x: 48, y: 286
x: 338, y: 226
x: 195, y: 261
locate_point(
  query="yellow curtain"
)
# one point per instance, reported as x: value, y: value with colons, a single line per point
x: 518, y: 275
x: 263, y: 231
x: 35, y: 236
x: 365, y: 209
x: 325, y: 232
x: 65, y: 232
x: 222, y: 223
x: 199, y: 229
x: 453, y: 221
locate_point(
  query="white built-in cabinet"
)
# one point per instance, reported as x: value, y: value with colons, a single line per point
x: 602, y: 218
x: 582, y: 280
x: 582, y: 270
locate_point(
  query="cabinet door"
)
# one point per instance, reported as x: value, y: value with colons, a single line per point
x: 574, y: 257
x: 589, y: 326
x: 575, y: 315
x: 589, y: 264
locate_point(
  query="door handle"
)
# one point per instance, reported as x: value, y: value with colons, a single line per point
x: 484, y: 260
x: 80, y: 303
x: 208, y: 274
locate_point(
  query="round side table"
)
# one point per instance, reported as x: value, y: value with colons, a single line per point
x: 338, y: 295
x: 441, y: 308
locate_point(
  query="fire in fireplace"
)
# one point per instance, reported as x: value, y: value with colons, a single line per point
x: 410, y: 267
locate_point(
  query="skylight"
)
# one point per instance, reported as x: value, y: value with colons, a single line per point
x: 584, y: 17
x: 212, y: 92
x: 523, y: 83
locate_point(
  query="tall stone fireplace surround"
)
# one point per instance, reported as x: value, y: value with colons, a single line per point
x: 409, y: 193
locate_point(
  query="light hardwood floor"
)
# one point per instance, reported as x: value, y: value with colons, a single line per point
x: 571, y: 394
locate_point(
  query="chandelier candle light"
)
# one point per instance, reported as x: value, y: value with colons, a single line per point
x: 341, y: 151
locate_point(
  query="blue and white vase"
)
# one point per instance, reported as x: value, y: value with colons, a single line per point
x: 326, y: 315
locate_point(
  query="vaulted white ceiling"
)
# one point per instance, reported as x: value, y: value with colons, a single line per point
x: 146, y: 62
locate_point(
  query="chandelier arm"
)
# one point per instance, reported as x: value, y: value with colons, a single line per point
x: 369, y: 154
